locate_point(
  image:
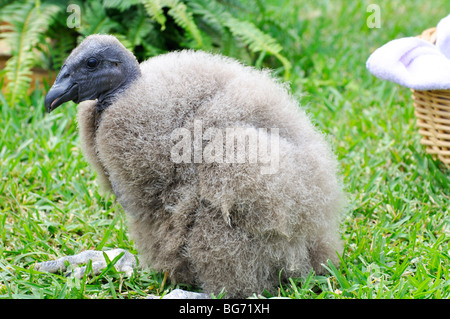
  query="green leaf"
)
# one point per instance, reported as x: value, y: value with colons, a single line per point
x: 26, y: 23
x: 154, y: 9
x: 184, y: 18
x: 95, y: 20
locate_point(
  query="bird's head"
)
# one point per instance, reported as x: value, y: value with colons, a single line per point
x: 98, y: 69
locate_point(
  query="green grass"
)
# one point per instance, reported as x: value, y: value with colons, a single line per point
x: 396, y: 228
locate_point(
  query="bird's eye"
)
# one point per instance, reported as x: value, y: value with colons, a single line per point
x: 92, y: 63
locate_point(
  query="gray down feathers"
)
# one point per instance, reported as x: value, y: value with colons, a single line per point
x: 216, y: 225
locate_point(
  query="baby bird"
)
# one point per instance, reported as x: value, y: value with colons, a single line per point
x: 225, y: 181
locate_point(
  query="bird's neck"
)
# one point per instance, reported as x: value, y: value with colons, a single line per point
x: 109, y: 97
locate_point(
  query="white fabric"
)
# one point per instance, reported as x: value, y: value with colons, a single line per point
x: 415, y: 63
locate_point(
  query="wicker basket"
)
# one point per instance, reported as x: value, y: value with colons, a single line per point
x: 432, y: 109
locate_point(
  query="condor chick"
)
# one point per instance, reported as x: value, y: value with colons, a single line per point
x: 209, y: 212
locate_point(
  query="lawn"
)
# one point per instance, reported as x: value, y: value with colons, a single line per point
x: 395, y: 229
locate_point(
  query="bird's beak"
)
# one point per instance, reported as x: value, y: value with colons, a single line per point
x: 63, y: 90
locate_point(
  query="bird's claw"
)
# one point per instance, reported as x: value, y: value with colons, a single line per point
x: 125, y: 264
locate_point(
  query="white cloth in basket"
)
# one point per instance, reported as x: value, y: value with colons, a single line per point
x: 415, y: 63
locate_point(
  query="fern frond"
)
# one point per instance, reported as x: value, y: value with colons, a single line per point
x: 154, y: 9
x: 4, y: 4
x: 62, y: 41
x: 215, y: 14
x: 252, y: 36
x: 212, y: 12
x: 95, y: 20
x: 121, y: 5
x: 138, y: 28
x: 184, y: 18
x: 26, y: 23
x: 258, y: 41
x: 64, y: 45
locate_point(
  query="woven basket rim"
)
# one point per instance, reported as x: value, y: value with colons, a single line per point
x: 429, y: 35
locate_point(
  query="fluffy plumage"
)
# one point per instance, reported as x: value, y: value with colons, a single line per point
x: 215, y: 225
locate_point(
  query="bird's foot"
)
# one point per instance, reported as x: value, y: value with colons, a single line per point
x: 125, y: 264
